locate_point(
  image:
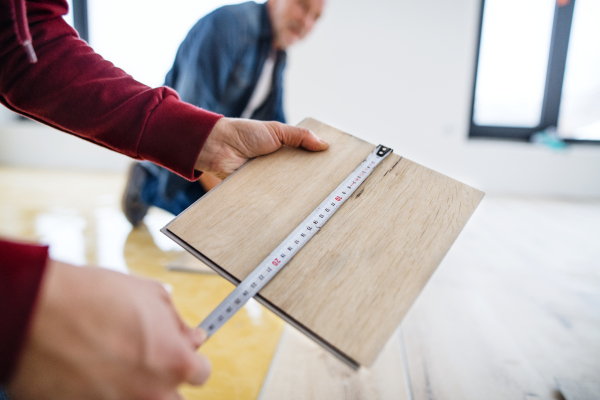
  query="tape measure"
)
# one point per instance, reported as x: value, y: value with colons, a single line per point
x: 271, y: 265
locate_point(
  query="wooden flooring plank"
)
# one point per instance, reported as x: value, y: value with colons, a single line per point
x: 302, y: 370
x: 352, y: 284
x: 515, y: 307
x: 578, y: 390
x: 188, y: 263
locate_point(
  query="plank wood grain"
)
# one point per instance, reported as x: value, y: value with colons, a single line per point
x: 351, y: 285
x: 302, y: 370
x: 515, y: 311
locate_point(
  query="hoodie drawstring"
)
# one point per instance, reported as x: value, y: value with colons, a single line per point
x: 21, y: 26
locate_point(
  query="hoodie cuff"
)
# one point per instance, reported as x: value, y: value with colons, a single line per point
x: 174, y: 135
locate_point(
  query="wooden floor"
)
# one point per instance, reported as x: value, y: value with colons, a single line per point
x: 513, y: 312
x: 79, y: 215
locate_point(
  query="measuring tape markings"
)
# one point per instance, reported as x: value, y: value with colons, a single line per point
x: 271, y: 265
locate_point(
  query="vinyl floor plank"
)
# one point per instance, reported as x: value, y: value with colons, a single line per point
x: 352, y: 284
x: 302, y: 370
x: 514, y: 311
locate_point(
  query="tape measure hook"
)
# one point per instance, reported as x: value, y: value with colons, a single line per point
x: 383, y: 150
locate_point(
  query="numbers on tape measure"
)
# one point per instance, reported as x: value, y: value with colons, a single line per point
x: 294, y: 242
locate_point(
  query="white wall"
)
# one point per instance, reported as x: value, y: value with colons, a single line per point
x: 397, y: 72
x: 29, y: 144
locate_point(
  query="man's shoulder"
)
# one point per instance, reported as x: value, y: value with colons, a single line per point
x: 245, y: 16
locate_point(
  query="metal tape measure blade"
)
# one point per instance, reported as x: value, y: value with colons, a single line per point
x: 269, y: 267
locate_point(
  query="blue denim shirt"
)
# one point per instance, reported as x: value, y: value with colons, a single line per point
x: 218, y: 64
x: 217, y: 67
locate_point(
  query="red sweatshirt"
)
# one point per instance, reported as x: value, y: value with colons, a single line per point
x: 50, y: 75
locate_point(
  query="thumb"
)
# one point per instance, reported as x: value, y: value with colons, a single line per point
x: 298, y: 137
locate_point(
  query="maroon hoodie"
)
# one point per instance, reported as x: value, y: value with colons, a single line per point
x: 49, y: 74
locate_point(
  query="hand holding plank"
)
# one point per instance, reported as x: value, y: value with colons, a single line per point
x: 233, y: 141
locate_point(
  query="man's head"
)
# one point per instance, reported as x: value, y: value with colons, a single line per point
x: 293, y: 19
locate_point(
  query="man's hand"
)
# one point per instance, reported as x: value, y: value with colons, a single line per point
x: 233, y: 141
x: 99, y: 334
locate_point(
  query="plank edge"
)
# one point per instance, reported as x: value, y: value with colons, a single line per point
x: 280, y: 313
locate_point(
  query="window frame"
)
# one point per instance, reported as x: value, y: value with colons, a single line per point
x: 557, y: 59
x: 80, y: 19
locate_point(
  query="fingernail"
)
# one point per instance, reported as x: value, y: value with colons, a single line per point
x: 323, y: 141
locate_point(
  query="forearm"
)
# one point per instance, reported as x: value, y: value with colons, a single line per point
x: 73, y: 89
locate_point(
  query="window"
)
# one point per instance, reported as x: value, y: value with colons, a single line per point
x: 142, y: 37
x: 69, y: 16
x: 537, y: 70
x: 78, y: 18
x: 579, y: 113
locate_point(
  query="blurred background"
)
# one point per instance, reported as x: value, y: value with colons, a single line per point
x: 397, y: 72
x: 503, y: 95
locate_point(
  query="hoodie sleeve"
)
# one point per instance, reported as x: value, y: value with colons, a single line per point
x: 75, y: 90
x: 21, y: 269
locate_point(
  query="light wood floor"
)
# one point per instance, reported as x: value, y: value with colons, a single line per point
x: 79, y: 215
x: 513, y: 312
